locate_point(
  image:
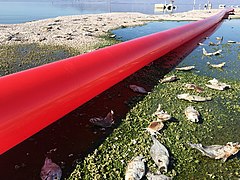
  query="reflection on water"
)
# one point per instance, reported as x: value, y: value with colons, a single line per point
x: 230, y: 30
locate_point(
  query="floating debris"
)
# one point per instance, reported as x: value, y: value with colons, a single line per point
x: 169, y: 79
x: 108, y: 121
x: 219, y: 38
x: 185, y: 68
x: 215, y: 84
x: 138, y: 89
x: 211, y: 54
x: 191, y: 98
x: 162, y: 115
x: 194, y: 87
x: 218, y: 151
x: 151, y: 176
x: 217, y: 65
x: 50, y: 170
x: 135, y: 169
x: 213, y: 44
x: 231, y: 42
x: 160, y: 154
x: 192, y: 114
x: 154, y: 127
x: 201, y: 44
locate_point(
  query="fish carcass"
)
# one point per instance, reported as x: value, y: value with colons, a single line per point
x: 151, y: 176
x: 185, y: 68
x: 194, y: 87
x: 162, y: 115
x: 50, y: 170
x: 135, y: 169
x: 192, y: 114
x: 217, y: 65
x: 211, y: 54
x: 154, y: 127
x: 138, y: 89
x: 191, y: 98
x: 215, y: 84
x: 169, y: 79
x: 108, y: 121
x: 160, y: 154
x: 218, y: 151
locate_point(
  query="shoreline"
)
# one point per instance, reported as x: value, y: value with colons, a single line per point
x: 83, y: 32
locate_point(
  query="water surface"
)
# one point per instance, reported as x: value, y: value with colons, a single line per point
x: 229, y: 30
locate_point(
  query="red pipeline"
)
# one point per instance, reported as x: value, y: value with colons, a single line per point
x: 32, y: 99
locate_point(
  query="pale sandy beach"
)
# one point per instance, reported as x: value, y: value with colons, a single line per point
x: 82, y: 31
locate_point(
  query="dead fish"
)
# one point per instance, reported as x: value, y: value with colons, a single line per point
x: 154, y: 127
x: 191, y: 98
x: 218, y: 151
x: 108, y: 121
x: 219, y: 38
x: 231, y: 42
x: 201, y: 44
x: 217, y: 65
x: 162, y: 115
x: 211, y: 54
x: 151, y: 176
x: 213, y: 44
x: 135, y: 169
x: 160, y: 155
x: 138, y: 89
x: 185, y: 68
x: 215, y: 84
x: 194, y: 87
x: 192, y: 114
x: 50, y: 171
x: 169, y: 79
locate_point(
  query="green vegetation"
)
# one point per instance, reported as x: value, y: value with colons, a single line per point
x: 14, y: 58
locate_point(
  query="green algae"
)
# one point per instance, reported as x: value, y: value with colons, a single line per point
x: 14, y: 58
x: 219, y: 126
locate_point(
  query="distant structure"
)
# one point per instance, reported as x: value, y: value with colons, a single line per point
x: 222, y: 6
x: 208, y: 5
x: 165, y: 7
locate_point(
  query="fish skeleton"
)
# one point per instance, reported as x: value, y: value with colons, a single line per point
x: 218, y: 151
x: 138, y: 89
x: 192, y: 114
x: 50, y: 171
x: 135, y: 169
x: 162, y: 115
x: 154, y: 127
x: 160, y: 154
x: 191, y: 98
x: 151, y: 176
x: 211, y: 54
x: 215, y: 84
x: 169, y: 79
x: 185, y: 68
x: 108, y: 121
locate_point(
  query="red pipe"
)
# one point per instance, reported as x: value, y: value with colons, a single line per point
x: 32, y: 99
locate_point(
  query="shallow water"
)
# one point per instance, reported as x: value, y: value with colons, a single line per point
x: 230, y: 30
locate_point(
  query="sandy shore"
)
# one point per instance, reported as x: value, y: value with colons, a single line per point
x: 83, y: 31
